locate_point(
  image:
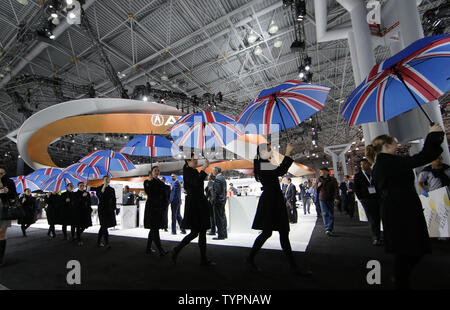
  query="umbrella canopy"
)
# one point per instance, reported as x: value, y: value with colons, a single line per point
x: 43, y: 174
x: 205, y: 129
x: 151, y: 146
x: 410, y: 78
x: 22, y: 182
x: 109, y: 160
x: 286, y: 105
x: 87, y: 171
x: 59, y: 182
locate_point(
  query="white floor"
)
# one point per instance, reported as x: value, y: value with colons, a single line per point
x: 299, y: 236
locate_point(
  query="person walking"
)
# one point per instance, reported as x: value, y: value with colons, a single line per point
x: 175, y: 203
x: 165, y: 219
x: 68, y: 211
x: 271, y: 212
x: 369, y: 198
x: 218, y: 200
x: 155, y: 207
x: 83, y: 214
x: 347, y: 201
x: 196, y: 213
x: 327, y: 192
x: 290, y: 195
x: 53, y: 201
x: 8, y: 196
x: 28, y: 203
x: 106, y: 211
x: 305, y: 196
x: 404, y: 226
x: 208, y: 193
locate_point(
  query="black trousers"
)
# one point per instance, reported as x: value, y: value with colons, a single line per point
x: 292, y: 211
x: 51, y: 230
x: 372, y: 209
x: 221, y: 219
x: 212, y: 217
x: 165, y: 219
x: 153, y: 236
x: 191, y: 236
x: 176, y: 216
x: 103, y: 233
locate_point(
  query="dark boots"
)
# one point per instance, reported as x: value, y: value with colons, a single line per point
x: 2, y: 251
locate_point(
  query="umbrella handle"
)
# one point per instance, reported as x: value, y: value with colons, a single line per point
x: 412, y: 94
x: 282, y: 119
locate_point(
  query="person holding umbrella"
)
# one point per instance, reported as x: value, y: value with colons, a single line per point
x: 53, y: 201
x: 106, y: 211
x: 83, y: 212
x: 8, y: 195
x: 404, y: 226
x: 196, y: 210
x: 271, y: 211
x: 28, y: 203
x: 155, y: 207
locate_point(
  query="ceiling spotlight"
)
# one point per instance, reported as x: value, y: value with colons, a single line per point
x: 52, y: 36
x: 145, y: 98
x: 257, y: 51
x: 307, y: 67
x: 69, y: 2
x: 23, y: 2
x: 54, y: 15
x: 152, y: 83
x: 72, y: 15
x: 278, y: 43
x: 125, y: 137
x: 164, y: 77
x: 252, y: 37
x: 73, y: 141
x: 273, y: 28
x: 301, y: 75
x: 106, y: 138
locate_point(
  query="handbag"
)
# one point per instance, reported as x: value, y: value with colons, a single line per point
x: 11, y: 211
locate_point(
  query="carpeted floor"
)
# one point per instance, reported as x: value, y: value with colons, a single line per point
x: 337, y: 263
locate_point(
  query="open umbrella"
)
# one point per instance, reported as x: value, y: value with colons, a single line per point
x: 86, y: 171
x: 43, y: 174
x: 420, y: 71
x: 286, y: 105
x: 109, y: 160
x: 22, y: 182
x: 58, y: 182
x: 205, y: 129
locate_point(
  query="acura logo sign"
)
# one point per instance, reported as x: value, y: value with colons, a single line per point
x: 157, y: 120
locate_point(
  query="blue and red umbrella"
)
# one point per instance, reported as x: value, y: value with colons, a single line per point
x: 286, y: 105
x: 151, y: 146
x: 205, y: 129
x: 420, y: 71
x: 43, y: 174
x: 22, y: 182
x: 59, y: 182
x: 87, y: 171
x: 109, y: 160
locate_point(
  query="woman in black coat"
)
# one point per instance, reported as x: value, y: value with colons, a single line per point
x: 271, y: 213
x: 106, y: 211
x: 405, y: 229
x: 53, y: 201
x: 67, y: 211
x: 196, y: 210
x: 8, y: 195
x: 28, y: 203
x: 155, y: 206
x: 83, y: 211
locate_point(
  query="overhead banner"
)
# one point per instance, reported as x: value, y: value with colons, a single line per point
x: 436, y: 210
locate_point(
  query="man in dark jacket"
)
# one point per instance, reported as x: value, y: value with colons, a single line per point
x: 327, y: 188
x: 305, y: 196
x: 434, y: 176
x: 347, y: 196
x: 369, y: 198
x: 208, y: 194
x: 82, y: 215
x: 290, y: 194
x: 218, y: 200
x: 175, y: 203
x: 128, y: 197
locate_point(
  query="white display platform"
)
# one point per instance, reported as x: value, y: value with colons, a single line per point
x: 242, y: 211
x: 128, y: 216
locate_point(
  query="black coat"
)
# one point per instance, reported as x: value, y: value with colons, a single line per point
x: 83, y: 210
x: 361, y: 186
x: 29, y: 206
x: 405, y: 229
x: 106, y: 206
x: 53, y: 207
x: 271, y: 213
x: 12, y: 193
x: 67, y: 211
x: 196, y: 207
x: 156, y: 204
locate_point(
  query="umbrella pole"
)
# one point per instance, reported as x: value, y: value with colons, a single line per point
x: 412, y: 94
x: 282, y: 119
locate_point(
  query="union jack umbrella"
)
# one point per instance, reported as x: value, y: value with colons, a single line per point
x: 287, y: 105
x: 417, y: 71
x: 205, y: 129
x: 109, y: 160
x: 151, y: 146
x: 84, y: 170
x: 22, y: 182
x: 59, y: 182
x: 43, y: 174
